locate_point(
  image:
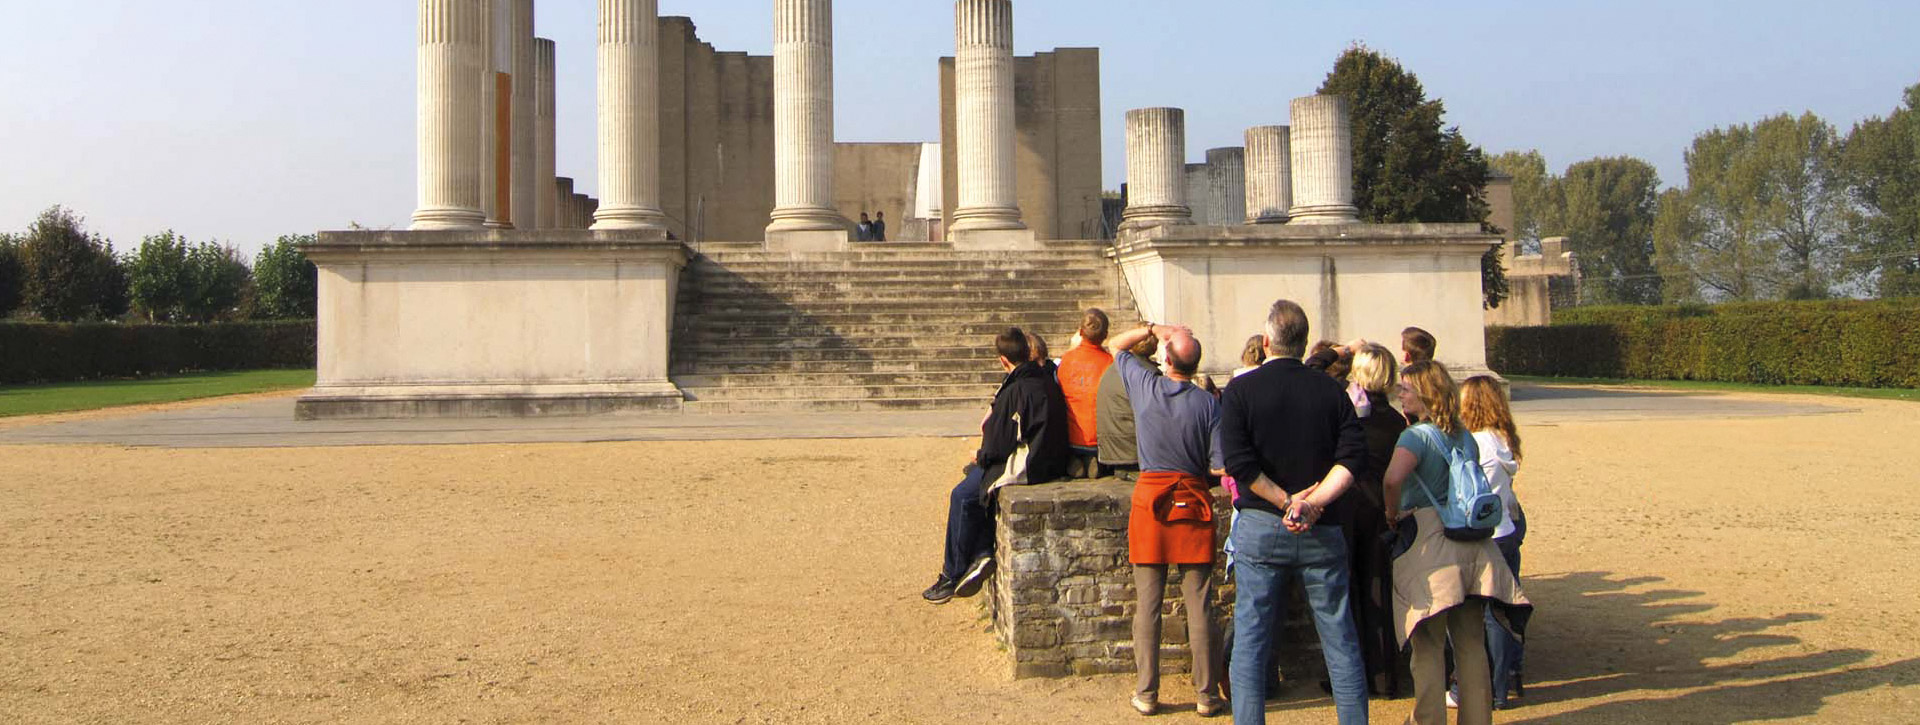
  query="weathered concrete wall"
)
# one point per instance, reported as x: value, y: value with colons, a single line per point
x: 716, y: 137
x: 1058, y: 153
x: 1531, y: 279
x: 876, y: 177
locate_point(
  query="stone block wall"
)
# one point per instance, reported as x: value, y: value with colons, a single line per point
x: 1057, y: 142
x: 1062, y: 597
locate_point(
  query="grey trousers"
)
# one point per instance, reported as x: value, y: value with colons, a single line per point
x: 1467, y: 623
x: 1196, y: 587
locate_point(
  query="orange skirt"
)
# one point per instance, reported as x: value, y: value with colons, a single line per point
x: 1171, y: 521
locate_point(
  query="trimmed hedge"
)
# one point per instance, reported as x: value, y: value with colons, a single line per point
x: 1851, y: 343
x: 53, y: 353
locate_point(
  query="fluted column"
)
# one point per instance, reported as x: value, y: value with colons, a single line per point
x: 544, y: 143
x: 1156, y: 168
x: 492, y: 35
x: 562, y: 196
x: 1269, y: 175
x: 1227, y: 185
x: 803, y: 118
x: 984, y: 117
x: 451, y: 55
x: 629, y: 115
x: 520, y: 42
x: 1322, y: 162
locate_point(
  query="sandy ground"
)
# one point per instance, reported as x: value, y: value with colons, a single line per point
x: 1686, y: 572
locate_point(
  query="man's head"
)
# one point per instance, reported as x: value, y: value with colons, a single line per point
x: 1183, y: 355
x: 1146, y: 348
x: 1286, y: 330
x: 1093, y: 326
x: 1037, y: 347
x: 863, y: 216
x: 1012, y: 347
x: 879, y: 215
x: 1417, y: 345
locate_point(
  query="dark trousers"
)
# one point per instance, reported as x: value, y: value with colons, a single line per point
x: 969, y: 523
x: 1505, y: 647
x: 1372, y: 587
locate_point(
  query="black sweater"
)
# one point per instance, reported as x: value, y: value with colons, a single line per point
x: 1030, y: 408
x: 1293, y: 425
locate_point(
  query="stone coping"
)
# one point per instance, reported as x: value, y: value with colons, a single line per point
x: 1253, y: 237
x: 431, y: 245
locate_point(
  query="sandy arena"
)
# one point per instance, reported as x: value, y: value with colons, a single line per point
x: 1686, y: 571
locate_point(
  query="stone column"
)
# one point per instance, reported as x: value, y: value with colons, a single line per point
x: 629, y: 116
x: 562, y: 196
x: 803, y: 213
x: 585, y: 212
x: 492, y: 30
x: 1156, y: 168
x: 451, y: 56
x: 1227, y: 185
x: 1199, y: 201
x: 525, y: 96
x: 544, y: 143
x: 1322, y: 162
x: 1269, y: 175
x: 984, y: 118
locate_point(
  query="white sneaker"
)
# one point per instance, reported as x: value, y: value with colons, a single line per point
x: 1452, y: 703
x: 1145, y: 706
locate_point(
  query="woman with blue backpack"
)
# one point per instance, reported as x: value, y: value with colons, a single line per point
x: 1446, y: 568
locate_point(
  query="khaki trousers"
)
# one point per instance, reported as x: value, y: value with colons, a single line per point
x: 1196, y: 587
x: 1467, y: 624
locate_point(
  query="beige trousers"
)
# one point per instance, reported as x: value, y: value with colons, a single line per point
x: 1467, y: 623
x: 1196, y: 587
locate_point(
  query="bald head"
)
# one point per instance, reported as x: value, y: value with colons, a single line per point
x: 1183, y: 354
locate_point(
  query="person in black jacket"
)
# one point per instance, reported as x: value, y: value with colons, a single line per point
x: 1291, y: 438
x: 1024, y: 440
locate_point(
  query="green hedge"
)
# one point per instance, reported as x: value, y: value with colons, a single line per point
x: 1852, y: 343
x: 51, y: 353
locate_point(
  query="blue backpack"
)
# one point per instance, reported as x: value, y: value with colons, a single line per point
x: 1472, y: 510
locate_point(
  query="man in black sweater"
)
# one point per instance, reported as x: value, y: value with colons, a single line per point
x: 1292, y: 441
x: 1024, y: 440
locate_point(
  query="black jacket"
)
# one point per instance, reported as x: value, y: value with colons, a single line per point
x: 1030, y: 408
x: 1292, y: 424
x: 1383, y: 425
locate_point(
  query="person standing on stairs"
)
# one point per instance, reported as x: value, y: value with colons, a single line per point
x: 879, y: 226
x: 1022, y: 441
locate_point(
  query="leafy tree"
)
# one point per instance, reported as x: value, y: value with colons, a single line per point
x: 1880, y: 163
x: 160, y: 277
x: 1764, y: 213
x: 286, y: 285
x: 1407, y: 166
x: 220, y: 280
x: 70, y: 275
x: 1535, y: 195
x: 1607, y: 216
x: 12, y: 275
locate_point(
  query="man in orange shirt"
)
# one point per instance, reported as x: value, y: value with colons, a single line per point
x: 1080, y: 371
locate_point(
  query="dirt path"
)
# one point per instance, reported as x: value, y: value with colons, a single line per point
x: 1686, y: 571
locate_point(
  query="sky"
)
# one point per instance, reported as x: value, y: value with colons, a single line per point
x: 242, y: 120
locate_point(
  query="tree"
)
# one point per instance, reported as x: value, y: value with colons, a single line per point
x: 12, y: 275
x: 1880, y: 166
x: 1408, y: 167
x: 220, y: 281
x: 1535, y: 194
x: 285, y: 284
x: 159, y: 278
x: 1607, y: 215
x: 1764, y: 212
x: 70, y: 275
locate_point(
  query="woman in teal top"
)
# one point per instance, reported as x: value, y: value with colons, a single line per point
x: 1441, y: 587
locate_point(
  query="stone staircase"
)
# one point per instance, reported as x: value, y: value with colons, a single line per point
x: 894, y: 326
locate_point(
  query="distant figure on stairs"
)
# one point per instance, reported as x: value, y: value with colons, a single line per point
x: 879, y: 226
x: 1022, y: 441
x: 864, y: 231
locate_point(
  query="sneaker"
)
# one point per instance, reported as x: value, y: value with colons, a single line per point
x: 1209, y: 706
x: 1453, y: 703
x: 1145, y: 706
x: 975, y: 577
x: 940, y: 592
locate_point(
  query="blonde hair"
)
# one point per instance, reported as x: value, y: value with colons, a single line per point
x: 1484, y: 407
x: 1255, y: 352
x: 1431, y: 381
x: 1374, y: 368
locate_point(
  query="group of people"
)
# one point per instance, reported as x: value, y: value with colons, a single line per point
x: 871, y: 229
x: 1330, y: 483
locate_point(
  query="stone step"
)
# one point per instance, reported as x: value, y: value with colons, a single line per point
x: 1041, y: 275
x: 723, y: 334
x: 974, y: 359
x: 858, y: 405
x: 811, y: 261
x: 944, y: 296
x: 900, y: 358
x: 984, y: 373
x: 1064, y: 315
x: 964, y: 307
x: 697, y: 348
x: 979, y: 392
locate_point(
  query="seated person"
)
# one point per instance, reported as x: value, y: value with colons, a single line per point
x: 1024, y: 440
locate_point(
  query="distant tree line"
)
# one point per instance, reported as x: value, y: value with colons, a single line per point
x: 59, y: 272
x: 1785, y: 208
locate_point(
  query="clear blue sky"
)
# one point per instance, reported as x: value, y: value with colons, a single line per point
x: 240, y: 120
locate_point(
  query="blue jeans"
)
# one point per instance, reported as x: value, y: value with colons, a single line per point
x: 969, y: 524
x: 1505, y: 649
x: 1266, y: 557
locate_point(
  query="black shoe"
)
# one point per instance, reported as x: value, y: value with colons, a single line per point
x: 940, y: 592
x: 975, y: 577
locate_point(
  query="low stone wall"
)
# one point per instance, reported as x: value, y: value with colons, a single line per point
x: 1062, y: 599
